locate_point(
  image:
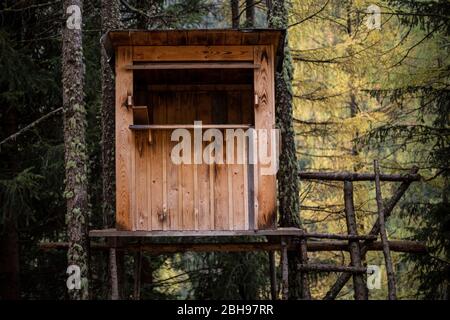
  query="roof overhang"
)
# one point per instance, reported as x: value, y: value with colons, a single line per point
x: 115, y: 38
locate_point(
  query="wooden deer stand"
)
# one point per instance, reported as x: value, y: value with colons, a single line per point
x: 167, y: 80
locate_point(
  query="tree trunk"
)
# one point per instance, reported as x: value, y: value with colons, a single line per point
x: 110, y: 14
x: 143, y: 21
x: 76, y: 192
x: 234, y: 14
x: 249, y: 14
x: 287, y: 176
x: 110, y: 20
x: 353, y: 103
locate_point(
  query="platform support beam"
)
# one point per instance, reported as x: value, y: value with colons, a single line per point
x: 273, y: 276
x: 113, y: 276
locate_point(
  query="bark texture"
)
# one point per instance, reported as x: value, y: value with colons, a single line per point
x: 287, y: 176
x: 249, y: 14
x: 110, y: 20
x: 76, y: 192
x: 234, y: 13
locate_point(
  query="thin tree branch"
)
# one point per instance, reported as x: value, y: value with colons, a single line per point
x: 30, y: 126
x: 310, y: 16
x: 34, y: 6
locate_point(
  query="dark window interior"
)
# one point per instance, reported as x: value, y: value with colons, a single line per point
x: 181, y: 96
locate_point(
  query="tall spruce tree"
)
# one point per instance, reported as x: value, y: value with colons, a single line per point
x: 110, y: 14
x: 287, y: 176
x: 76, y: 192
x: 432, y: 216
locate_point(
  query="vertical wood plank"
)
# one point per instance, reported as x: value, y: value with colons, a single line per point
x: 133, y: 194
x: 156, y: 157
x: 221, y: 212
x: 180, y: 119
x: 247, y: 117
x: 221, y: 197
x: 124, y: 141
x: 264, y: 119
x: 165, y: 144
x: 173, y: 170
x: 187, y: 170
x: 236, y: 170
x: 230, y: 197
x: 140, y: 173
x: 148, y: 157
x: 229, y: 166
x: 246, y: 187
x: 203, y: 111
x: 212, y: 196
x: 196, y: 197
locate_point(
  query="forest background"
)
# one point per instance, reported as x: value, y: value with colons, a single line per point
x: 360, y: 92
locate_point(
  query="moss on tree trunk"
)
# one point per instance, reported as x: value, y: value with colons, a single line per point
x: 110, y: 20
x: 76, y: 192
x: 287, y: 176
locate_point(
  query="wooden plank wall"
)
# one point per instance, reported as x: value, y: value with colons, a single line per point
x: 189, y: 196
x: 155, y: 194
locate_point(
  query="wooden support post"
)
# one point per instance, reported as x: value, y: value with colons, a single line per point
x: 306, y: 294
x: 284, y: 270
x: 359, y: 285
x: 113, y: 274
x: 383, y: 234
x: 137, y: 275
x: 343, y: 278
x: 273, y: 276
x: 114, y: 280
x: 112, y: 265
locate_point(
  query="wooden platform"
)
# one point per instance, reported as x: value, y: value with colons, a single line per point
x: 280, y: 232
x: 193, y: 233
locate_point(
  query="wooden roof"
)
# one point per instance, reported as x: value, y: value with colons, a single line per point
x: 275, y: 37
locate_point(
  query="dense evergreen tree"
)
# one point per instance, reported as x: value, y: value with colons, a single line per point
x: 432, y: 216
